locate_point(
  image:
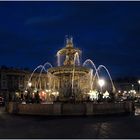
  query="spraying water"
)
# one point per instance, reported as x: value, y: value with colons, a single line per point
x: 47, y: 63
x: 102, y: 66
x: 92, y: 63
x: 96, y: 72
x: 91, y: 81
x: 58, y: 58
x: 75, y: 56
x: 40, y: 66
x: 43, y: 68
x: 77, y: 59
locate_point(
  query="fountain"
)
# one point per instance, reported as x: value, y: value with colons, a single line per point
x: 71, y: 88
x: 70, y: 79
x: 69, y: 75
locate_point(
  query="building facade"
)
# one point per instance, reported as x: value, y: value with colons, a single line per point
x: 14, y: 81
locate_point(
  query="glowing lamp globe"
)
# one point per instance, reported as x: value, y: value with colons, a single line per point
x: 29, y: 84
x: 101, y: 82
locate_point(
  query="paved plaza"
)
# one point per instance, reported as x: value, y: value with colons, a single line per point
x: 13, y: 126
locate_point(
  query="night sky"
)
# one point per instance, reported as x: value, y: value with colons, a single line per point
x: 106, y: 32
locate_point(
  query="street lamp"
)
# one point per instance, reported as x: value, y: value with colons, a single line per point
x: 29, y: 84
x: 119, y: 91
x: 101, y: 83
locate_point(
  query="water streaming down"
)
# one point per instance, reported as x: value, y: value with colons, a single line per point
x: 92, y: 63
x: 58, y: 59
x: 49, y: 80
x: 43, y: 68
x: 40, y: 66
x: 96, y: 73
x: 75, y: 57
x: 102, y: 66
x: 91, y: 81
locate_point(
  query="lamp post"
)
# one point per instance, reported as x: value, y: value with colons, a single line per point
x: 29, y: 84
x: 101, y: 83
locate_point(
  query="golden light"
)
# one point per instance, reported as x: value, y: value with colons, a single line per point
x: 55, y: 93
x: 106, y: 94
x: 35, y: 90
x: 119, y: 91
x: 93, y: 94
x: 29, y: 84
x: 48, y: 90
x: 101, y: 82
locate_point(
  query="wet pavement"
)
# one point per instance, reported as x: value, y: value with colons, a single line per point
x: 116, y: 126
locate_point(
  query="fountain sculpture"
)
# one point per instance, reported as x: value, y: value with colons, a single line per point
x: 70, y: 79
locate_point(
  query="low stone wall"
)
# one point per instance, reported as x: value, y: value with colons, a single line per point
x: 58, y: 108
x: 39, y: 109
x: 109, y: 108
x: 73, y: 109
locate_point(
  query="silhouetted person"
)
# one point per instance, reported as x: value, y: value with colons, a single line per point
x: 112, y: 96
x: 37, y: 98
x: 100, y: 97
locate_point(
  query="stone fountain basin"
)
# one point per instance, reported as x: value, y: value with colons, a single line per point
x: 74, y: 109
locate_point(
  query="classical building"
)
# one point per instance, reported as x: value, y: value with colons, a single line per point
x: 14, y: 81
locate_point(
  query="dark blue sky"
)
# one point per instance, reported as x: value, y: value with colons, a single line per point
x: 106, y: 32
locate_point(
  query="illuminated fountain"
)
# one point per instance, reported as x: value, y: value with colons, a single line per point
x: 70, y: 79
x: 70, y: 88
